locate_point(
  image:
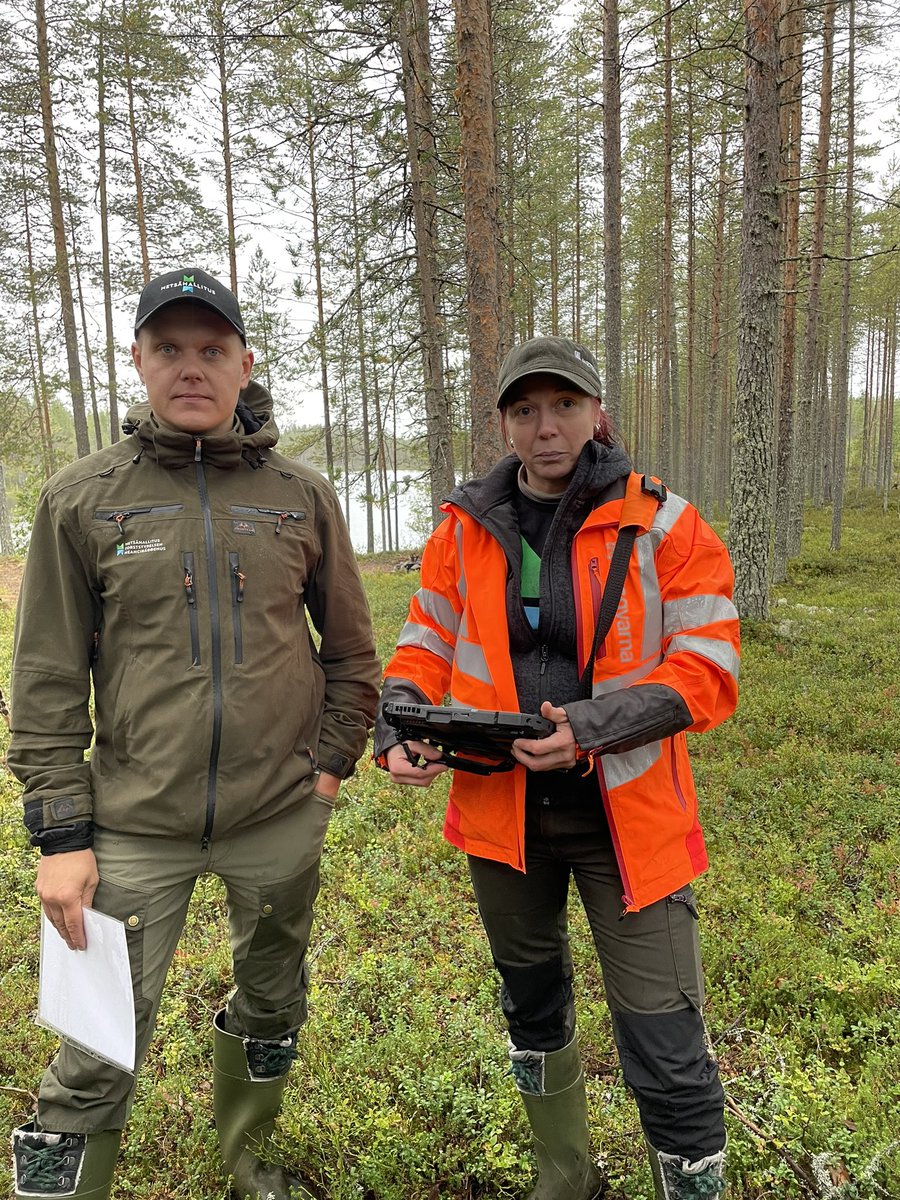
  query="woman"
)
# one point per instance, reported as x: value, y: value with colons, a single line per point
x: 507, y: 618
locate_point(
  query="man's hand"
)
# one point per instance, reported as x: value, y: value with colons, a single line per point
x: 554, y: 753
x: 66, y: 884
x: 402, y: 770
x: 327, y: 785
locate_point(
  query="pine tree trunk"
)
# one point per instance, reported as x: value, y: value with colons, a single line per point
x: 63, y: 277
x: 612, y: 210
x: 791, y: 73
x: 806, y: 389
x: 361, y: 334
x: 226, y: 149
x: 667, y: 431
x: 866, y: 436
x: 750, y: 527
x: 479, y: 186
x: 690, y: 458
x: 713, y: 400
x: 106, y: 271
x: 320, y: 297
x: 841, y: 382
x: 416, y: 60
x: 140, y: 215
x: 88, y: 356
x: 36, y: 348
x: 6, y: 542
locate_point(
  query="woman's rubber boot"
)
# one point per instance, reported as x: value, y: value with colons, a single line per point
x: 552, y: 1088
x: 248, y: 1084
x: 676, y: 1178
x: 63, y: 1164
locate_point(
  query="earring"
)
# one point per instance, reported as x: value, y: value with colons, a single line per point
x: 596, y: 429
x: 512, y: 444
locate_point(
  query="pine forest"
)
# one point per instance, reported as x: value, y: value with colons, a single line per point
x: 706, y: 196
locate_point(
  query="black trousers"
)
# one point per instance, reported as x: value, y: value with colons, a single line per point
x: 650, y: 960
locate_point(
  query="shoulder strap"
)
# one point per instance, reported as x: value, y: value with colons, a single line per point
x: 644, y: 495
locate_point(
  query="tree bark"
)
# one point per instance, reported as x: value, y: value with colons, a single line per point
x: 320, y: 297
x: 226, y: 148
x: 750, y: 526
x: 479, y: 186
x: 63, y: 277
x: 806, y: 390
x: 416, y: 61
x: 135, y: 152
x: 612, y: 210
x: 106, y: 272
x: 842, y: 372
x: 361, y: 350
x: 36, y: 347
x: 791, y: 71
x: 713, y: 402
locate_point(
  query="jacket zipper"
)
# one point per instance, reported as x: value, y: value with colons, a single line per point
x: 675, y: 780
x: 237, y: 599
x: 190, y: 594
x: 216, y: 652
x: 283, y: 516
x: 627, y: 894
x: 120, y: 516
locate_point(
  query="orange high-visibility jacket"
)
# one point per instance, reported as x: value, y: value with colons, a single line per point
x: 675, y: 625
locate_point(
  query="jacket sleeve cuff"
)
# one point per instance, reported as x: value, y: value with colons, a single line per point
x: 402, y: 691
x: 629, y: 718
x: 61, y: 839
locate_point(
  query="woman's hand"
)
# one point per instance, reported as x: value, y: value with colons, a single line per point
x: 402, y: 759
x: 554, y: 753
x: 66, y: 884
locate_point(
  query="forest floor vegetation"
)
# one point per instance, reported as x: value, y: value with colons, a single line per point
x: 402, y: 1091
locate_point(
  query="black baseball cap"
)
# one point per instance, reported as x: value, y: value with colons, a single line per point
x: 189, y: 283
x: 552, y: 356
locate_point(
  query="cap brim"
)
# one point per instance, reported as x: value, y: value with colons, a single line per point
x: 193, y: 300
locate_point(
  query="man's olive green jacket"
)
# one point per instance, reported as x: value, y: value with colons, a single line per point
x: 176, y: 574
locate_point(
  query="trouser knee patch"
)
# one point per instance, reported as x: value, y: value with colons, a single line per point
x: 675, y: 1080
x: 537, y: 1003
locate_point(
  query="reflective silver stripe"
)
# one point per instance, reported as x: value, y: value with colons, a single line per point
x: 693, y: 611
x: 439, y: 608
x: 717, y: 651
x: 425, y: 639
x: 667, y: 514
x: 471, y: 661
x: 463, y: 631
x: 652, y: 601
x: 461, y: 579
x: 619, y: 769
x: 605, y: 686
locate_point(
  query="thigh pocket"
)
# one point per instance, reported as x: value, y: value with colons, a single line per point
x: 129, y: 907
x: 683, y: 919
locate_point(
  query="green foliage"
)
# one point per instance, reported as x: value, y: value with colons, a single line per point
x: 401, y: 1090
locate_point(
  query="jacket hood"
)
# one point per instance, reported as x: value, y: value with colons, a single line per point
x: 253, y: 432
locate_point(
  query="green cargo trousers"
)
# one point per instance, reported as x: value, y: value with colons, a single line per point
x: 650, y: 960
x: 271, y: 878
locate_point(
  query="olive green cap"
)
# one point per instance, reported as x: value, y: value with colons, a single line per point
x: 552, y: 356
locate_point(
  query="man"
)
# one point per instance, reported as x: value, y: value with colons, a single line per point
x: 175, y: 570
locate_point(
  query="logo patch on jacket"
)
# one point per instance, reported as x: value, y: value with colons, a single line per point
x: 138, y: 546
x: 246, y: 527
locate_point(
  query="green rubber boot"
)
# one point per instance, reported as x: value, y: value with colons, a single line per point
x: 552, y: 1088
x: 675, y: 1178
x: 63, y: 1164
x: 248, y: 1083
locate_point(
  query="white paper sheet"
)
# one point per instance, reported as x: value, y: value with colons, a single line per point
x: 86, y: 995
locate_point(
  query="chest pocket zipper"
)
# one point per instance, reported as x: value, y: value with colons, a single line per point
x: 282, y: 515
x: 121, y: 515
x: 190, y: 594
x: 237, y: 599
